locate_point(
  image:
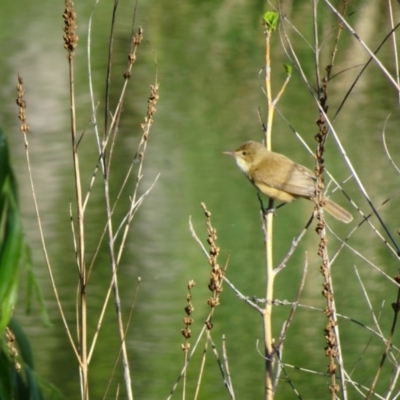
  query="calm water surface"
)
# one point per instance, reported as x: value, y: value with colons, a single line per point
x: 207, y: 56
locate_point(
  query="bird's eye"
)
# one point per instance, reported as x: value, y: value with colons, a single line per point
x: 244, y: 153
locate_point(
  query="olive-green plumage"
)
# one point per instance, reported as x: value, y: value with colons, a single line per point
x: 280, y: 178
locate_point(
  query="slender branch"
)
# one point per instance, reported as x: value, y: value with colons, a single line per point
x: 352, y: 31
x: 25, y: 129
x: 396, y: 309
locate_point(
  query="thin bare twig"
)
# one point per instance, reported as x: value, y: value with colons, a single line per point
x: 226, y: 364
x: 25, y: 129
x: 227, y: 382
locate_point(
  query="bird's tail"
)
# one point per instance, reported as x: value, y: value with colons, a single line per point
x: 338, y: 212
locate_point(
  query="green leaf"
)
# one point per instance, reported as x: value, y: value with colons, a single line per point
x: 288, y: 69
x: 271, y: 19
x: 24, y: 383
x: 11, y: 237
x: 18, y: 385
x: 5, y: 378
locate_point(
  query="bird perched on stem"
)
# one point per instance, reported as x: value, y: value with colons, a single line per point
x: 280, y: 178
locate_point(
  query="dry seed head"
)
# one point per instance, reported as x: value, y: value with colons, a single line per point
x: 213, y: 302
x: 327, y: 311
x: 186, y: 333
x: 209, y: 325
x: 189, y: 309
x: 185, y: 346
x: 332, y: 369
x: 132, y: 58
x: 138, y: 37
x: 12, y: 350
x: 188, y: 320
x: 70, y: 26
x: 24, y: 127
x: 335, y: 388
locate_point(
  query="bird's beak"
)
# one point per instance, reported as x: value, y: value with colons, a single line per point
x: 229, y: 153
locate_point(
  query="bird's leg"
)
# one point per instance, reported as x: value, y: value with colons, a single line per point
x: 270, y: 209
x: 261, y: 203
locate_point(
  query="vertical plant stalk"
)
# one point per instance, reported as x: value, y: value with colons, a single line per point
x: 102, y: 144
x: 108, y: 141
x: 217, y: 275
x: 268, y: 230
x: 270, y: 22
x: 106, y: 164
x: 70, y: 43
x: 186, y: 331
x: 152, y: 100
x: 332, y: 337
x: 330, y: 331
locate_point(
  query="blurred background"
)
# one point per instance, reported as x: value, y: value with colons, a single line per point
x: 207, y: 56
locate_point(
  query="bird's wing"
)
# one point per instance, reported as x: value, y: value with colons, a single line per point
x: 300, y: 181
x: 292, y: 178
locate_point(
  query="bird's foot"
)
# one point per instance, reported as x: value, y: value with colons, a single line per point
x: 269, y: 210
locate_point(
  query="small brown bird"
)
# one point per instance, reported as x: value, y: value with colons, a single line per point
x: 280, y: 178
